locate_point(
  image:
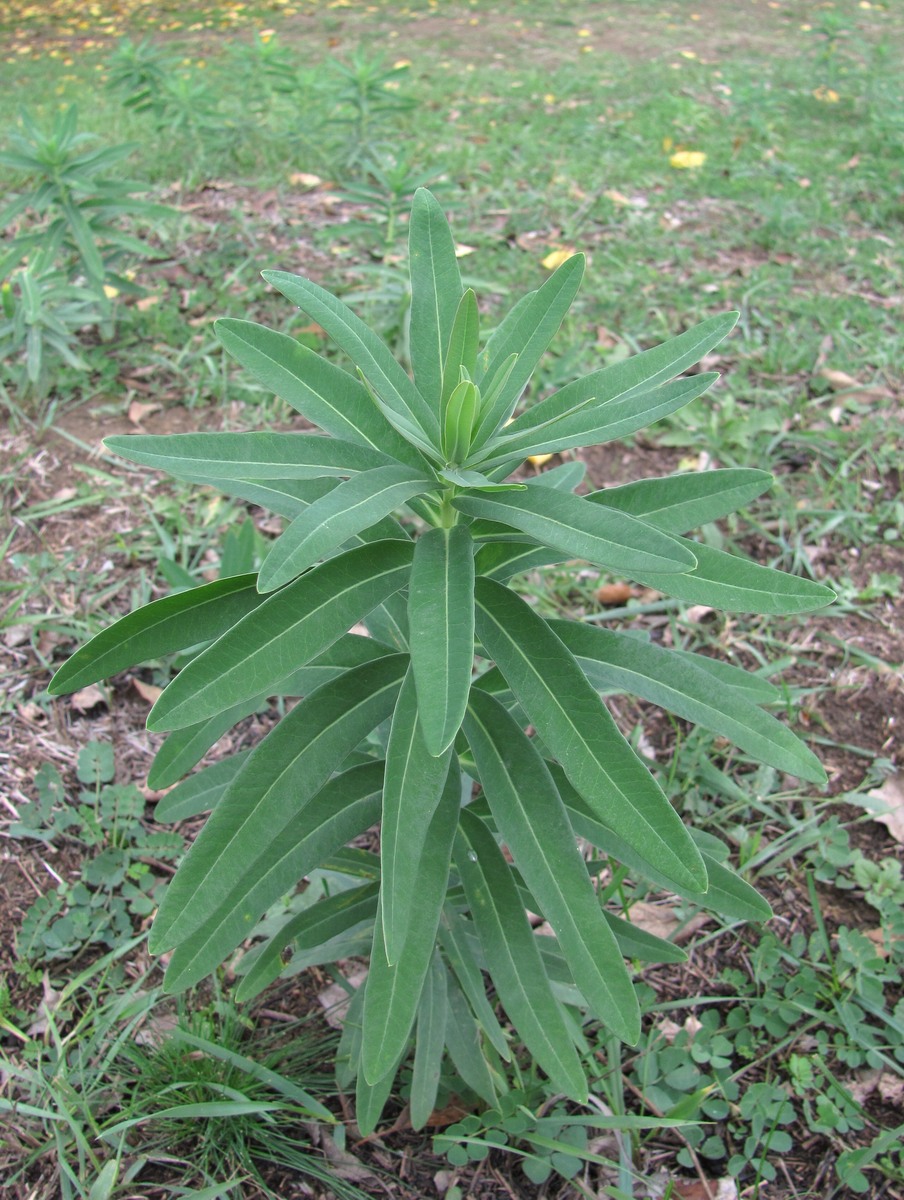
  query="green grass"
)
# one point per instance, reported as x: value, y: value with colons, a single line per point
x: 552, y: 125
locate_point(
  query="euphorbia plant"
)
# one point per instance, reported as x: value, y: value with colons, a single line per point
x: 458, y: 683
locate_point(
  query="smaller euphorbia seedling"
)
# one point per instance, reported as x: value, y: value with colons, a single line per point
x: 399, y: 726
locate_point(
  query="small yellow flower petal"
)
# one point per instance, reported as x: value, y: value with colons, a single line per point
x: 826, y: 94
x: 686, y: 160
x: 555, y: 258
x: 110, y: 291
x: 539, y: 459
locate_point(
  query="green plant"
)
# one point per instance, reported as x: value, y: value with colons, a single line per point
x: 116, y: 883
x: 367, y: 103
x: 399, y: 725
x: 65, y: 258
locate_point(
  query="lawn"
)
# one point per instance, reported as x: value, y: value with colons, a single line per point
x: 705, y: 157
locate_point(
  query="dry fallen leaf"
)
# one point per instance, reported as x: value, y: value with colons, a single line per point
x: 687, y: 160
x: 335, y: 999
x: 614, y: 593
x: 660, y: 920
x: 891, y: 794
x: 147, y: 691
x: 87, y: 698
x: 304, y: 179
x: 138, y: 411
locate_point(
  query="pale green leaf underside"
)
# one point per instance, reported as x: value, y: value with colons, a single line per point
x: 532, y: 820
x: 441, y: 622
x: 513, y: 957
x: 303, y: 837
x: 577, y: 728
x: 411, y: 792
x: 311, y: 927
x: 393, y: 991
x: 429, y: 1044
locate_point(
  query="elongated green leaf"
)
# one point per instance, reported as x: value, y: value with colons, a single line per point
x: 532, y: 820
x: 366, y: 350
x: 441, y: 619
x: 502, y: 560
x: 462, y: 349
x: 354, y: 505
x: 393, y: 991
x: 634, y: 942
x: 389, y: 622
x: 456, y: 941
x: 313, y: 925
x: 435, y: 293
x: 370, y: 1099
x: 462, y: 1038
x: 476, y: 481
x: 348, y: 1052
x: 592, y: 425
x: 564, y: 478
x: 414, y: 784
x: 513, y: 958
x: 459, y: 419
x: 342, y: 809
x: 532, y: 327
x: 572, y: 721
x: 573, y: 526
x: 318, y: 389
x: 754, y: 687
x: 201, y: 791
x: 429, y: 1044
x: 726, y: 894
x: 736, y: 584
x: 286, y: 497
x: 212, y: 456
x: 631, y: 377
x: 161, y: 627
x: 678, y: 503
x: 611, y: 659
x: 274, y: 786
x: 184, y: 748
x: 293, y: 626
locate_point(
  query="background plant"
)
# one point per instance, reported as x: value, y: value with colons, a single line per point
x: 67, y: 248
x: 405, y: 700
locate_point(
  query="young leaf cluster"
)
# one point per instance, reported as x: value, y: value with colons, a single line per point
x: 399, y: 726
